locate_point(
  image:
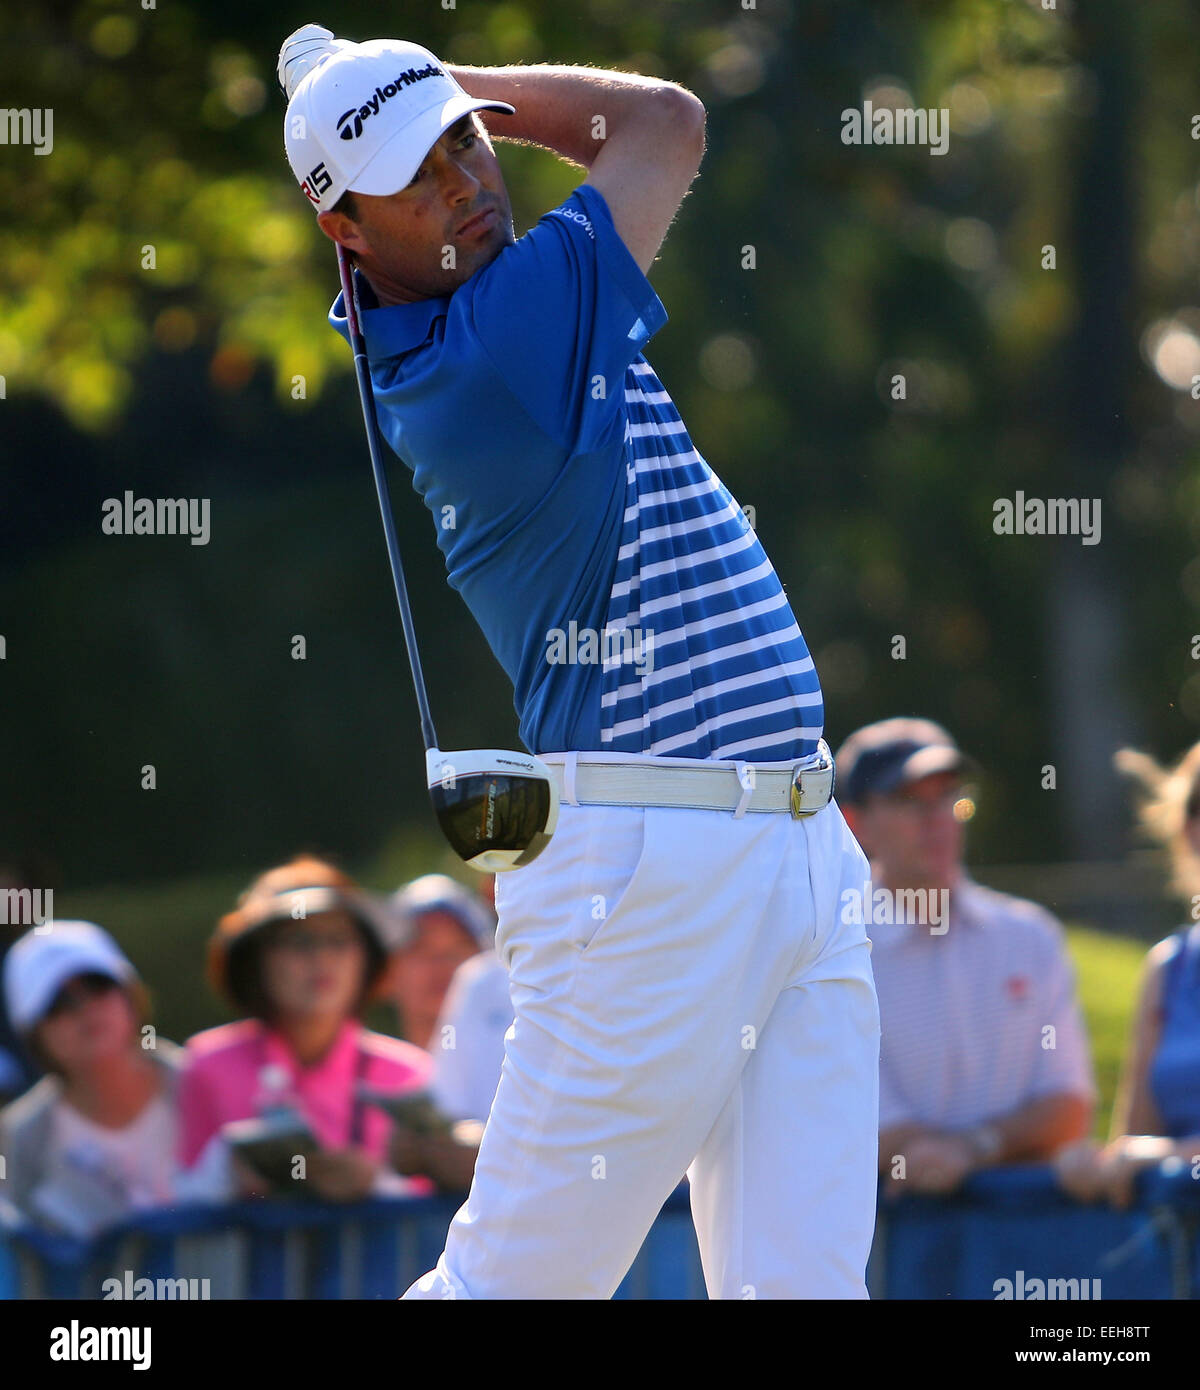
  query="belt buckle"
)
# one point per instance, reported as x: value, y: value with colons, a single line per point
x: 797, y: 792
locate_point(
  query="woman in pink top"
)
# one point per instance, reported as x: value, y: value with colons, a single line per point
x: 302, y: 954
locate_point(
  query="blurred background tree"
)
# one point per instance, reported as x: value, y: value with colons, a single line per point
x: 215, y: 375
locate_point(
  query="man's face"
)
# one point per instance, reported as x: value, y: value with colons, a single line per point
x: 412, y: 244
x: 914, y: 834
x: 421, y: 973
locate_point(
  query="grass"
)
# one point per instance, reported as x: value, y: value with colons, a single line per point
x: 1108, y: 969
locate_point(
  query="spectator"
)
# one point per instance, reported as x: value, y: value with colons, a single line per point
x: 983, y: 1056
x: 468, y: 1050
x: 1157, y: 1110
x: 439, y: 925
x: 445, y: 981
x: 301, y: 954
x: 94, y: 1140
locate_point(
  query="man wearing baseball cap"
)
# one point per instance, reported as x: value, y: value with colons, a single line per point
x: 686, y: 994
x: 439, y: 926
x: 983, y: 1057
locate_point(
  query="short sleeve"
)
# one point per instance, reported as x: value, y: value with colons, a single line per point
x: 892, y: 1109
x: 449, y: 1067
x: 1066, y: 1066
x: 198, y: 1121
x: 468, y: 1050
x: 561, y: 314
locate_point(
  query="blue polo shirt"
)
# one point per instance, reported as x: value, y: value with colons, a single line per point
x: 612, y: 573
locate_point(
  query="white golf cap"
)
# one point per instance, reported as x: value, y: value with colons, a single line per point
x: 363, y: 116
x: 39, y: 963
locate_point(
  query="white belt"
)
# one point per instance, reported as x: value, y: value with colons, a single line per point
x: 604, y: 779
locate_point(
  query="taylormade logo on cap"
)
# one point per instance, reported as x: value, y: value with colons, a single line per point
x: 364, y: 116
x: 350, y: 123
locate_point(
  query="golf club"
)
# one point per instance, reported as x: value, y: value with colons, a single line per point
x: 497, y: 809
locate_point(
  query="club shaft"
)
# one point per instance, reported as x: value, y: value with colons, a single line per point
x: 366, y: 396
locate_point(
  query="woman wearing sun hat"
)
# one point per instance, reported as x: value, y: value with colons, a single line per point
x: 301, y: 955
x: 94, y: 1140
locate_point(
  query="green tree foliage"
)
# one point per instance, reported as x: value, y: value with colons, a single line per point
x: 893, y: 362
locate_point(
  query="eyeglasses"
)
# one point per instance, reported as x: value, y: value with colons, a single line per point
x: 76, y: 993
x: 918, y: 805
x: 306, y: 941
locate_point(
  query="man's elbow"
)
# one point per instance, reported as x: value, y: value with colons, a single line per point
x: 682, y: 117
x: 693, y: 119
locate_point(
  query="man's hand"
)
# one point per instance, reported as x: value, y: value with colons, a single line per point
x: 446, y: 1156
x: 247, y: 1181
x: 1078, y: 1170
x: 406, y: 1151
x: 934, y: 1163
x: 1088, y: 1172
x: 1124, y: 1159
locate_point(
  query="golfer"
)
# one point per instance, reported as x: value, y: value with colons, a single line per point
x: 688, y: 964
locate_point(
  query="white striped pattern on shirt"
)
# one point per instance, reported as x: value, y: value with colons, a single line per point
x: 721, y: 669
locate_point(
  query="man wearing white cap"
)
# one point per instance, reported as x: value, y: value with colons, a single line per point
x: 439, y: 925
x: 687, y: 994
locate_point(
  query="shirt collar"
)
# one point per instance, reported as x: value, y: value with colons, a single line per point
x: 963, y: 902
x: 337, y: 1064
x: 390, y: 330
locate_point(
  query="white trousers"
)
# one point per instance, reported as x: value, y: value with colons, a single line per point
x: 693, y: 992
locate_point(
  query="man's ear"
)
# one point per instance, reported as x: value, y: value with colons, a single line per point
x: 342, y: 229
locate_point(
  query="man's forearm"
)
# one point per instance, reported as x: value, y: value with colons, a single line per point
x: 1035, y: 1130
x: 894, y: 1140
x: 570, y: 110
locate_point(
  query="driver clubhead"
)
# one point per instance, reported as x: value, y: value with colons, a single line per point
x: 497, y: 809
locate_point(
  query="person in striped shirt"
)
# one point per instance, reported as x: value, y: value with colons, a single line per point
x: 687, y: 994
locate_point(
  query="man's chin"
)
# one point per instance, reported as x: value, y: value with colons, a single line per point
x: 943, y: 875
x: 481, y: 260
x: 497, y: 242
